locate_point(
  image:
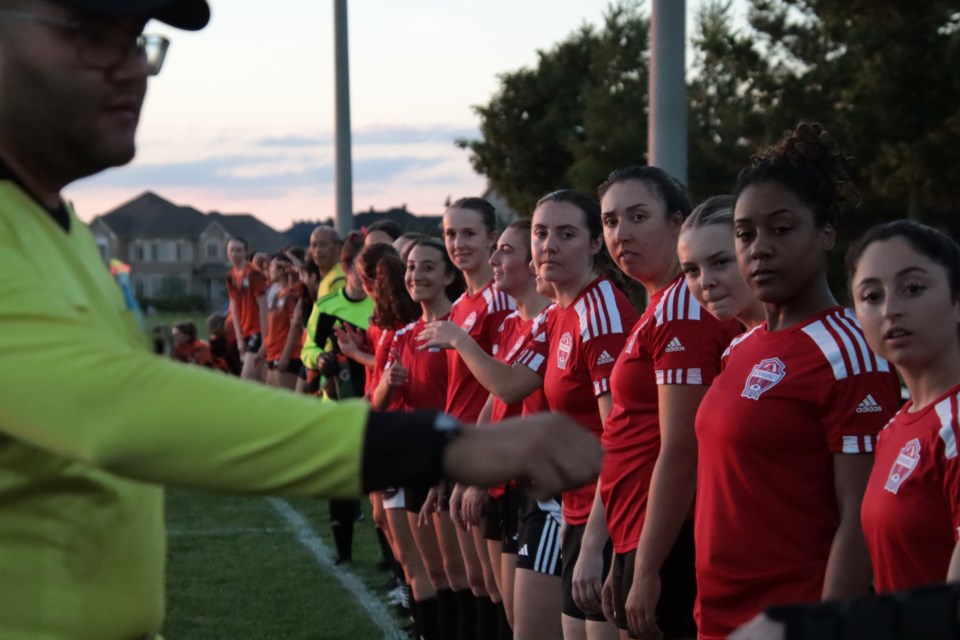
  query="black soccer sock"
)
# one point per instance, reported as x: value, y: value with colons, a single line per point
x: 426, y: 618
x: 385, y: 551
x: 467, y: 608
x: 488, y: 624
x: 341, y: 522
x: 505, y: 632
x: 448, y: 617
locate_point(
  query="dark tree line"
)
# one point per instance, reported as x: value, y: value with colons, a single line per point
x: 882, y: 75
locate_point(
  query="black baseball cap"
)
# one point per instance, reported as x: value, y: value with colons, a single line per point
x: 190, y: 15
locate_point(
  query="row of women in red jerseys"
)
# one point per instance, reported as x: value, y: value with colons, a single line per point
x: 740, y: 411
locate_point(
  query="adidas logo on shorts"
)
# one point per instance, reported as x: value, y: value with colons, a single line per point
x: 869, y: 405
x: 523, y: 551
x: 605, y: 358
x: 675, y: 345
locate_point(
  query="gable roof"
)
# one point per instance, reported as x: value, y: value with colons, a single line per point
x: 150, y: 216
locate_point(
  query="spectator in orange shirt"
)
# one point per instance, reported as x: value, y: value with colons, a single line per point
x: 247, y: 289
x: 284, y: 325
x: 223, y: 343
x: 188, y: 348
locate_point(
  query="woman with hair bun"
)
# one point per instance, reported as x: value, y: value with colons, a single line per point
x: 789, y: 427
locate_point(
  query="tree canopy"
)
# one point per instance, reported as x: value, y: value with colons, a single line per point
x: 882, y: 75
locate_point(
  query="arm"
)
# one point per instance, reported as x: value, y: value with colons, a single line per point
x: 486, y: 411
x: 296, y: 329
x: 849, y: 572
x: 311, y: 350
x: 953, y: 571
x: 672, y: 488
x: 262, y: 314
x: 588, y: 573
x: 509, y: 383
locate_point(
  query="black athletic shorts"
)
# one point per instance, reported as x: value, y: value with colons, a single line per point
x: 678, y: 587
x: 539, y: 544
x: 493, y: 518
x: 510, y: 516
x: 570, y: 551
x: 253, y: 342
x: 293, y: 366
x: 415, y: 499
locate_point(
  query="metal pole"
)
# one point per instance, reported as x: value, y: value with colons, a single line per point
x: 667, y: 127
x: 344, y: 171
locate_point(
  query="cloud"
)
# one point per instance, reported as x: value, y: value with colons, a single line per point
x: 381, y: 135
x: 258, y: 173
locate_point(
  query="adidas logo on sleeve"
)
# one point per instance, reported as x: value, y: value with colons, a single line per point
x: 674, y: 346
x: 869, y: 405
x: 605, y: 358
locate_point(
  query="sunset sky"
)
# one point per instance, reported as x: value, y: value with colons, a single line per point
x: 241, y: 118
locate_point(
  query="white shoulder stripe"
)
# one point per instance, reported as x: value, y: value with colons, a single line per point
x: 678, y: 297
x: 847, y: 344
x: 851, y: 319
x: 853, y: 330
x: 598, y: 312
x: 610, y: 304
x: 828, y: 346
x: 945, y: 413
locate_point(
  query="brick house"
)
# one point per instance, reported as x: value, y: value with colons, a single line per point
x: 177, y: 250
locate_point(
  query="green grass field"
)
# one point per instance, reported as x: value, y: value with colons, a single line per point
x: 260, y: 568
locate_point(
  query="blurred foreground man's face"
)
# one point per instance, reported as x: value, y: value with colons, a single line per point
x: 60, y: 116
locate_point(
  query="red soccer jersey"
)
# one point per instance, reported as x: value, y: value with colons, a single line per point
x: 243, y: 288
x: 911, y: 509
x: 675, y: 342
x: 279, y: 317
x: 379, y: 340
x: 480, y: 316
x: 514, y: 332
x: 426, y: 386
x: 196, y: 352
x: 575, y: 359
x: 768, y: 429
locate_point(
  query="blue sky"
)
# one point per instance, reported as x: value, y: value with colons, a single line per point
x: 241, y: 119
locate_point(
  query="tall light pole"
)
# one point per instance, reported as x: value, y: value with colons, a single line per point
x: 344, y: 164
x: 667, y: 126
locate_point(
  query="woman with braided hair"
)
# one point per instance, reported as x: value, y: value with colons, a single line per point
x: 787, y: 430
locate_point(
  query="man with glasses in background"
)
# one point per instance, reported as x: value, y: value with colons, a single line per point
x: 91, y: 424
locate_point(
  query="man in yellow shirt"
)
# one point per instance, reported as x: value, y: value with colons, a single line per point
x: 91, y: 424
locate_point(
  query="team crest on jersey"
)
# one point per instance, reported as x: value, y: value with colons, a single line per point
x: 765, y: 375
x: 564, y: 349
x: 246, y: 283
x: 903, y: 466
x: 469, y: 322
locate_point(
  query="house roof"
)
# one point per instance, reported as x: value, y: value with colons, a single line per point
x: 150, y: 216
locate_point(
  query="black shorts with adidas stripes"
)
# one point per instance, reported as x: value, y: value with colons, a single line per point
x: 539, y: 543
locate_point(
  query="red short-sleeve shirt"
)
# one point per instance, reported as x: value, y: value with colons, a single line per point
x: 244, y: 286
x: 675, y: 342
x: 576, y: 358
x: 479, y: 315
x: 768, y: 428
x: 426, y: 386
x: 911, y: 509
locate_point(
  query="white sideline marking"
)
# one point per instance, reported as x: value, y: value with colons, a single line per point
x: 367, y: 600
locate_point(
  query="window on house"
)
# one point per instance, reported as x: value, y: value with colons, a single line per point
x: 154, y: 252
x: 213, y: 250
x: 138, y: 252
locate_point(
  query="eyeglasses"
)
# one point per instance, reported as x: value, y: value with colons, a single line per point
x: 102, y: 48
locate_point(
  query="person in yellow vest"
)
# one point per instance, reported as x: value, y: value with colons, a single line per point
x: 91, y: 424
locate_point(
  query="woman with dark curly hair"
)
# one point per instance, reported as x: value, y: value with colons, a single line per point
x: 787, y: 430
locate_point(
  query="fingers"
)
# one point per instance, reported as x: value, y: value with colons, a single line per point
x: 606, y: 600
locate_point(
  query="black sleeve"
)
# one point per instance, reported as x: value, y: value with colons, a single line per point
x: 929, y: 613
x: 405, y: 449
